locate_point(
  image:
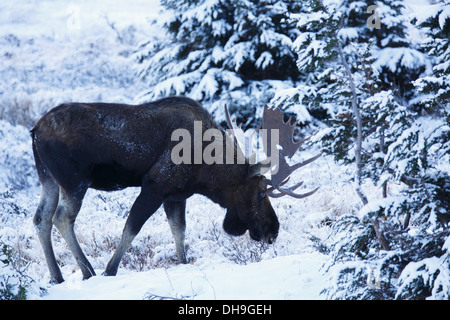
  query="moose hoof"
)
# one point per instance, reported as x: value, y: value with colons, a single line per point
x: 56, y: 281
x: 107, y: 273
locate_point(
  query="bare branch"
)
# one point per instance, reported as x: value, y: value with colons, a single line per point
x: 359, y: 139
x: 380, y: 235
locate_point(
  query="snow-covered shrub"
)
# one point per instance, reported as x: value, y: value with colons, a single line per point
x: 17, y: 169
x: 13, y: 278
x: 39, y: 72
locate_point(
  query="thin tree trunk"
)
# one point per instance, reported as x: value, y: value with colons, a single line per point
x: 382, y: 150
x: 380, y: 235
x: 359, y: 138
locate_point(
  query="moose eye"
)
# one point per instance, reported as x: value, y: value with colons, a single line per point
x: 261, y: 194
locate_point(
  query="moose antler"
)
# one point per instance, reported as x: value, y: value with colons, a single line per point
x: 273, y: 122
x: 243, y: 141
x: 237, y: 131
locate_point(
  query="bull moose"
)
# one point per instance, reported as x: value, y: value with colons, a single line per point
x: 109, y: 147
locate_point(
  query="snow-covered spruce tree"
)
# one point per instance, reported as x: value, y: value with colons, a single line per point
x: 236, y: 52
x: 353, y: 51
x: 342, y: 57
x: 396, y: 59
x: 436, y: 87
x: 400, y: 242
x: 404, y: 237
x: 421, y: 159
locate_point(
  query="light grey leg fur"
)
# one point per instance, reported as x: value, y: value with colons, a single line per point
x: 175, y: 211
x: 64, y: 219
x: 43, y: 223
x: 144, y: 206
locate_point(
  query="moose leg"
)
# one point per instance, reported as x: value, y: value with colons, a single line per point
x: 175, y: 211
x: 64, y: 219
x: 144, y: 206
x: 43, y: 223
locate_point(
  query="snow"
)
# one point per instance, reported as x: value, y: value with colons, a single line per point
x: 394, y: 58
x: 423, y: 12
x: 67, y: 20
x: 422, y: 270
x: 289, y: 277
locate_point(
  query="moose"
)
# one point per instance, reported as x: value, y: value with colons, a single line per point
x: 109, y: 147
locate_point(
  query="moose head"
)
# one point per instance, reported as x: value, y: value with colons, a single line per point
x: 252, y: 209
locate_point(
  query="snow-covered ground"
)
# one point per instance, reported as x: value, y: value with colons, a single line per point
x: 56, y: 51
x: 287, y: 277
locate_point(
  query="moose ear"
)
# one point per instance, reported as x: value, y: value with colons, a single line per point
x: 258, y: 169
x: 232, y: 224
